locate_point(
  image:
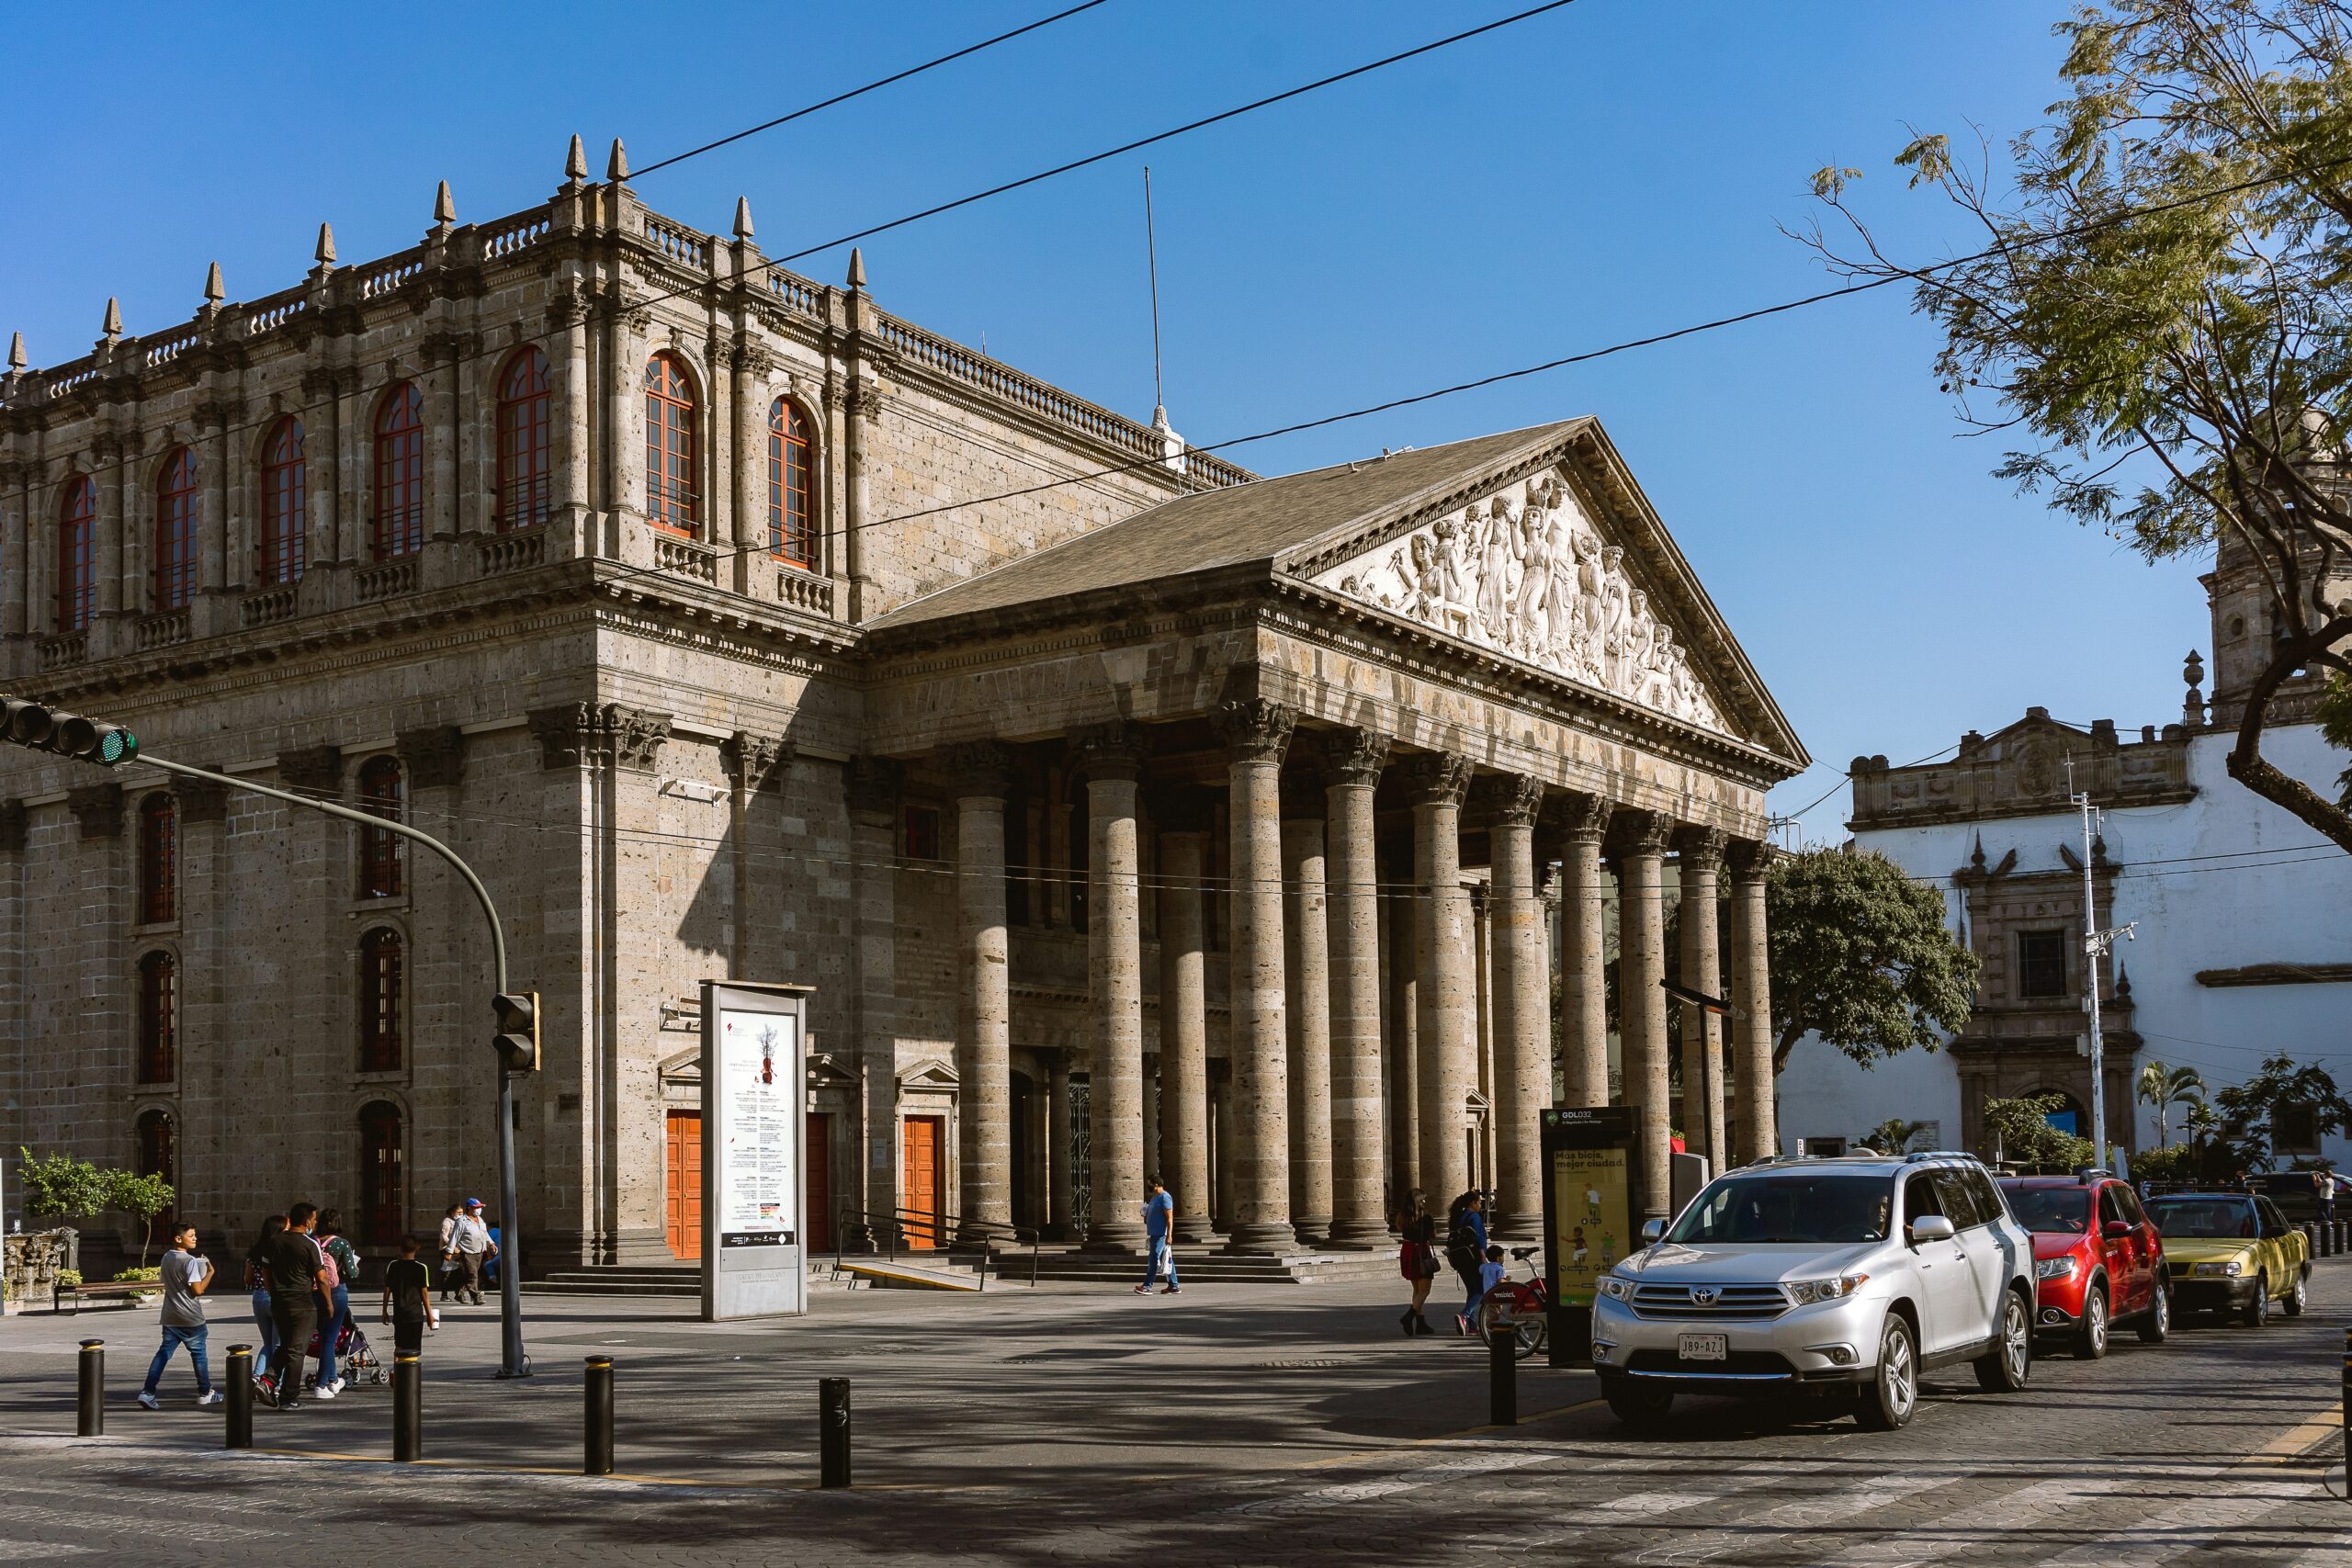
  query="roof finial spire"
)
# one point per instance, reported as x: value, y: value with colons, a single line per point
x: 575, y: 163
x: 445, y: 206
x: 742, y: 217
x: 16, y: 360
x: 113, y: 327
x: 325, y: 254
x: 616, y: 166
x: 214, y: 292
x: 856, y: 270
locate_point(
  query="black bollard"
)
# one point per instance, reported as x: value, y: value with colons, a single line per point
x: 599, y: 1456
x: 832, y: 1431
x: 408, y: 1407
x: 241, y: 1398
x: 90, y: 1392
x: 1502, y: 1376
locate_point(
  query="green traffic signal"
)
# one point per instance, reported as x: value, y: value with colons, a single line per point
x: 66, y: 734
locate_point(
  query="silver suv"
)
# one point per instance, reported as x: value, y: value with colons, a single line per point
x: 1842, y: 1278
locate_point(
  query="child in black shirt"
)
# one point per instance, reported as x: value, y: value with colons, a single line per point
x: 408, y: 1300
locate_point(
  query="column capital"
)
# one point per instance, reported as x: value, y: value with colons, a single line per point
x: 1584, y: 818
x: 575, y: 734
x: 1638, y: 833
x: 1354, y: 756
x: 1436, y: 778
x: 1113, y: 750
x: 1750, y: 858
x: 755, y: 763
x: 981, y: 768
x: 1507, y: 800
x: 1301, y: 790
x: 1701, y: 849
x: 874, y: 784
x: 434, y: 755
x: 1253, y: 730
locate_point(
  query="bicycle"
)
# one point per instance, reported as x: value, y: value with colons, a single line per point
x: 1523, y: 1307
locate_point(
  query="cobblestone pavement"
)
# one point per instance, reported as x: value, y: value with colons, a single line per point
x: 1229, y: 1425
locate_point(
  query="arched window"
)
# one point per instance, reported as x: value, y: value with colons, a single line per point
x: 383, y: 857
x: 523, y: 442
x: 159, y: 859
x: 382, y: 1173
x: 397, y: 527
x: 381, y: 980
x: 670, y: 501
x: 159, y: 1017
x: 792, y: 514
x: 158, y: 1157
x: 77, y: 559
x: 175, y: 531
x: 285, y: 510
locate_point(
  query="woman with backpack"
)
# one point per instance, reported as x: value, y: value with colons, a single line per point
x: 1417, y: 1259
x: 257, y: 1281
x: 1466, y: 1250
x: 335, y: 1305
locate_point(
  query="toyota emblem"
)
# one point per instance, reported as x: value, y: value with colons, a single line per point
x: 1703, y: 1296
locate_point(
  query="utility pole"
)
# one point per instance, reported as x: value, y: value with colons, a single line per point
x: 2097, y: 944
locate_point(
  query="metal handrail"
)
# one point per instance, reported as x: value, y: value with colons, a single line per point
x: 948, y: 1229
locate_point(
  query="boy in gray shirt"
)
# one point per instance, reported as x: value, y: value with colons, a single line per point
x: 185, y: 1277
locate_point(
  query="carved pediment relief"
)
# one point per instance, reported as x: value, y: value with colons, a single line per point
x: 1524, y: 572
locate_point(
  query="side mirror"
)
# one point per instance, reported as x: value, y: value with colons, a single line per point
x: 1931, y: 1227
x: 1653, y: 1232
x: 2117, y: 1230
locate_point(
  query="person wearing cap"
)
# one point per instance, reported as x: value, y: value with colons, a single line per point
x: 469, y: 1246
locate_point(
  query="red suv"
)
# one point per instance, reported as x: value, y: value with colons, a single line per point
x: 2097, y: 1260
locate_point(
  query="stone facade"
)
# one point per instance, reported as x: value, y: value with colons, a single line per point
x: 1078, y: 840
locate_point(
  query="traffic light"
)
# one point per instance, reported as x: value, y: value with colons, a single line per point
x: 66, y: 734
x: 518, y: 1041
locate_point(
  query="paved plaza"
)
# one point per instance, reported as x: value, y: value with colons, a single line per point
x: 1231, y: 1425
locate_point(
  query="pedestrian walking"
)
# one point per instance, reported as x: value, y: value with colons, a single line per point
x: 408, y: 1300
x: 1417, y: 1259
x: 335, y: 1305
x: 185, y: 1275
x: 1466, y: 1250
x: 2324, y: 1188
x: 446, y: 1254
x: 1159, y: 1210
x: 258, y: 1282
x: 469, y: 1246
x: 297, y: 1270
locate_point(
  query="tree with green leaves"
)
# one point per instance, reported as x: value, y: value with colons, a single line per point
x: 2156, y: 311
x: 144, y: 1198
x: 1893, y: 1135
x: 2018, y: 1131
x: 59, y: 1187
x: 2165, y: 1088
x: 1862, y: 955
x: 2249, y: 1111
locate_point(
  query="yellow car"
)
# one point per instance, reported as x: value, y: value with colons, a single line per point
x: 2232, y: 1252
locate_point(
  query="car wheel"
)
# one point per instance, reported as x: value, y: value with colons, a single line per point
x: 2294, y: 1300
x: 2005, y: 1367
x: 1889, y: 1399
x: 2090, y: 1341
x: 1639, y: 1405
x: 2257, y: 1311
x: 2156, y: 1322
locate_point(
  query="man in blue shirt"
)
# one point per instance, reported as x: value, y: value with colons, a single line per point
x: 1159, y: 1209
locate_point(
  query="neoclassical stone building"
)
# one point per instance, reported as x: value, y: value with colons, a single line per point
x: 1125, y: 808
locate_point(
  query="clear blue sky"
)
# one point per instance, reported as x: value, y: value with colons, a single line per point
x: 1612, y: 169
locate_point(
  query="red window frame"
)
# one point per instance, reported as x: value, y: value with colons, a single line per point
x: 792, y: 514
x: 671, y: 502
x: 285, y: 506
x: 382, y: 1173
x: 159, y: 859
x: 396, y: 527
x: 383, y: 857
x: 175, y: 531
x: 159, y: 1017
x: 382, y: 978
x: 77, y: 546
x: 524, y: 402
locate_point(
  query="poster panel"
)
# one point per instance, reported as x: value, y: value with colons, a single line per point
x: 1593, y: 1199
x: 754, y: 1187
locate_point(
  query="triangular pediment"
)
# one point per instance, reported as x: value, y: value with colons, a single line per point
x: 1524, y: 570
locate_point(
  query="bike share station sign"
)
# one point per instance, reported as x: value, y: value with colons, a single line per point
x: 754, y: 1170
x: 1592, y: 1200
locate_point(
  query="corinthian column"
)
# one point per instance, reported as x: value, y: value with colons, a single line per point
x: 1522, y: 1005
x: 1183, y: 819
x: 1112, y: 755
x: 1256, y: 732
x: 982, y: 772
x: 1751, y: 988
x: 1306, y: 962
x: 1639, y: 850
x: 1354, y: 758
x: 1583, y: 984
x: 1448, y: 1063
x: 1700, y: 853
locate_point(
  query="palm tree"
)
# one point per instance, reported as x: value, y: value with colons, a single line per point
x: 2165, y: 1088
x: 1893, y: 1135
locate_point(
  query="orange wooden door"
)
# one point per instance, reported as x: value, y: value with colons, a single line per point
x: 683, y: 1179
x: 919, y: 1180
x: 818, y: 1150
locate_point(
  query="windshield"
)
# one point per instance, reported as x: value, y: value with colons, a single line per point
x: 1796, y: 1206
x: 2205, y: 1219
x: 2066, y: 1209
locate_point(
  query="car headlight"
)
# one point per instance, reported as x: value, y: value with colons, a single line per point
x: 1616, y: 1289
x: 2230, y: 1270
x: 1803, y: 1292
x: 2055, y: 1269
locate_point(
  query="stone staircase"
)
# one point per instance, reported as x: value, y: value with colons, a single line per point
x: 683, y: 1281
x: 1202, y: 1265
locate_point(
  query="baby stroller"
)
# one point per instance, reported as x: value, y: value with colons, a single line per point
x: 354, y: 1358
